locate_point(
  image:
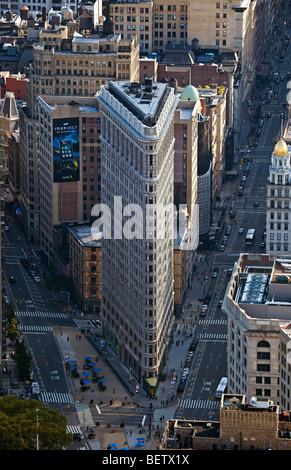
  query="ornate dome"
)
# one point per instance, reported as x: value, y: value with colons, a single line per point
x: 190, y: 93
x: 281, y: 149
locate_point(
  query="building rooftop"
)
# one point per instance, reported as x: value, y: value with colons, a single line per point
x: 144, y: 100
x: 260, y: 285
x: 84, y: 235
x: 254, y: 289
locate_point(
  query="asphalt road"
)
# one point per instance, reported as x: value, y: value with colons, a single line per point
x: 37, y: 317
x: 209, y: 362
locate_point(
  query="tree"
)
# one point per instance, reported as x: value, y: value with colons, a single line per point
x: 21, y: 420
x: 13, y: 332
x: 23, y: 360
x: 12, y: 324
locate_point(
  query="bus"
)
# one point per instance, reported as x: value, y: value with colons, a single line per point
x: 221, y: 387
x: 250, y: 236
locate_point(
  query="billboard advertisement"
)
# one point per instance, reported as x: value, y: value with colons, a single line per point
x: 66, y: 150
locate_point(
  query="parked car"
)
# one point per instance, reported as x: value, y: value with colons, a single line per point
x: 193, y: 345
x: 220, y: 303
x: 204, y: 308
x: 215, y: 272
x: 181, y: 386
x: 37, y: 278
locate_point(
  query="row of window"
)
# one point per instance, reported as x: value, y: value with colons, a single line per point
x: 280, y: 215
x: 278, y: 246
x: 279, y: 226
x: 279, y: 192
x: 272, y: 236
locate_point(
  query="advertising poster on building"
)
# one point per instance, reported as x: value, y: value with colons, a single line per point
x: 66, y: 150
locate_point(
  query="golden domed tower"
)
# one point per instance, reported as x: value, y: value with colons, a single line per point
x: 278, y: 217
x: 281, y: 148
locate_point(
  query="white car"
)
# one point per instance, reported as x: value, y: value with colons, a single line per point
x: 241, y: 230
x: 7, y: 228
x: 204, y: 308
x: 37, y: 279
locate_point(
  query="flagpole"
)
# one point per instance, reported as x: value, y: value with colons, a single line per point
x: 37, y: 447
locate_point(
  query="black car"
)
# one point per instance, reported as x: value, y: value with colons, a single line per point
x: 193, y: 345
x: 12, y: 279
x: 256, y: 204
x: 77, y: 436
x: 181, y: 387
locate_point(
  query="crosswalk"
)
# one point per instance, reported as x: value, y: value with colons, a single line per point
x: 27, y: 313
x: 34, y: 328
x: 211, y: 321
x: 74, y: 430
x: 199, y: 404
x: 211, y: 337
x: 56, y: 397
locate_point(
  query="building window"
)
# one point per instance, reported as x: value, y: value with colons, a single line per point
x: 263, y: 367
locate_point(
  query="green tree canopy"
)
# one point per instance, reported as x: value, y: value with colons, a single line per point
x: 23, y: 360
x: 21, y: 420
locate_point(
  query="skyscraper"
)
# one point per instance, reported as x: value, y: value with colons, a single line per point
x: 278, y: 227
x: 137, y: 146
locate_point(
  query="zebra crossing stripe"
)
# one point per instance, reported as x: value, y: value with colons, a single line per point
x: 27, y: 313
x: 54, y: 397
x: 73, y: 430
x: 198, y: 404
x: 212, y: 337
x: 212, y: 322
x: 27, y: 328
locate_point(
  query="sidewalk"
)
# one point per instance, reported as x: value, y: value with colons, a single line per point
x: 118, y: 391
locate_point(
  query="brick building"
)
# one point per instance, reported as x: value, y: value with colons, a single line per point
x: 256, y: 425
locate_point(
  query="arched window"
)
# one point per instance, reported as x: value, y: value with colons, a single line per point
x: 263, y: 344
